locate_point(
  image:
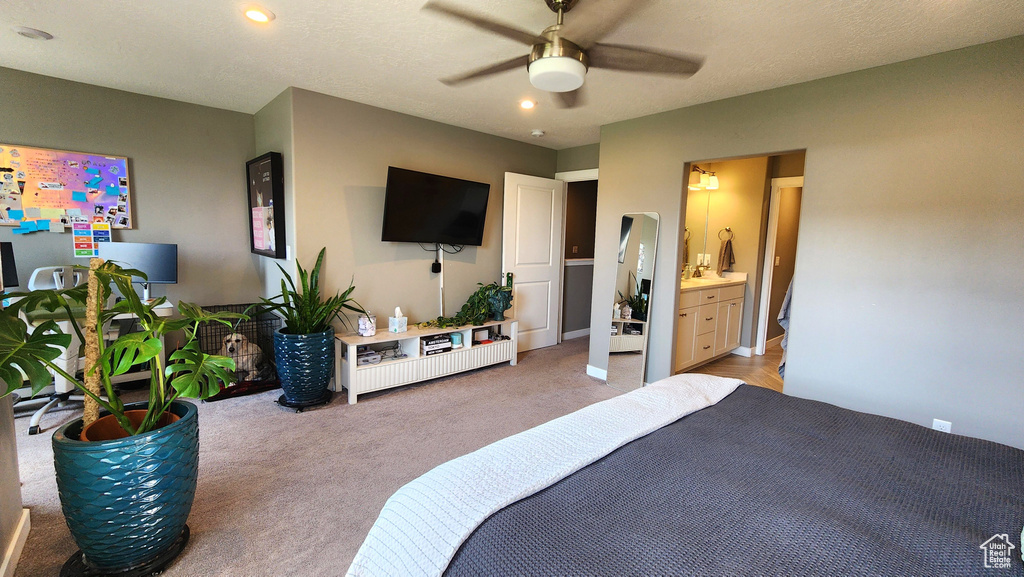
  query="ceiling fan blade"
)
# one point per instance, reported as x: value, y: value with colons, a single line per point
x: 505, y: 30
x: 517, y: 62
x: 594, y: 19
x: 570, y: 99
x: 617, y: 57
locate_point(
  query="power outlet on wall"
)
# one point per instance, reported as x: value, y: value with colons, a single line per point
x: 575, y: 249
x: 940, y: 425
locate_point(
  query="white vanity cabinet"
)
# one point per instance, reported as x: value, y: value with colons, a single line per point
x: 708, y: 321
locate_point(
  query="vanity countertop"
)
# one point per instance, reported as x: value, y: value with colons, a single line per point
x: 712, y: 283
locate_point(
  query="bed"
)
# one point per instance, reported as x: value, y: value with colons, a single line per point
x: 751, y: 483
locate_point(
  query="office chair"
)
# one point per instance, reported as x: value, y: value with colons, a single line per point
x: 61, y: 392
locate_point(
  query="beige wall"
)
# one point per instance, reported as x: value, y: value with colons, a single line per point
x: 578, y: 158
x: 274, y: 134
x: 900, y: 306
x: 342, y: 151
x: 187, y: 165
x: 10, y: 484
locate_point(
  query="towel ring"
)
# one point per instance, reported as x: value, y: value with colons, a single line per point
x: 686, y: 234
x: 727, y: 229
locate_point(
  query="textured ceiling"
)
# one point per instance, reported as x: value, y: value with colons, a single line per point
x: 389, y: 53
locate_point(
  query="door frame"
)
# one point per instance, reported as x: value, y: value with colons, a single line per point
x: 567, y: 177
x: 769, y: 256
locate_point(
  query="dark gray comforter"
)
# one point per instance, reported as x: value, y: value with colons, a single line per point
x: 765, y: 484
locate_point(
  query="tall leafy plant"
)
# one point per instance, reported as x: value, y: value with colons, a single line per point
x: 304, y: 309
x: 636, y: 300
x: 189, y: 372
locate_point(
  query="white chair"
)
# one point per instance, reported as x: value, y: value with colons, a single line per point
x: 60, y: 393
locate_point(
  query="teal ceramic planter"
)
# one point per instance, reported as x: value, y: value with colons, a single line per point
x: 126, y: 500
x: 304, y: 365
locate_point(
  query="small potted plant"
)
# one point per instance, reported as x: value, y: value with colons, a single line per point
x: 304, y: 346
x: 126, y: 486
x: 636, y: 302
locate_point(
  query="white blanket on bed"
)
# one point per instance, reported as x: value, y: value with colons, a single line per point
x: 425, y: 522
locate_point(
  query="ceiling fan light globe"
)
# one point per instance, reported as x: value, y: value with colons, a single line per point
x: 557, y: 73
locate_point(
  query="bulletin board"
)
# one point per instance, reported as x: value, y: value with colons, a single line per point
x: 47, y: 190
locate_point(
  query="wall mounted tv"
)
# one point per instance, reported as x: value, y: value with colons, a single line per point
x: 427, y: 208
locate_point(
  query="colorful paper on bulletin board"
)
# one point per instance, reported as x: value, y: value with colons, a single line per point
x: 87, y: 235
x: 55, y: 183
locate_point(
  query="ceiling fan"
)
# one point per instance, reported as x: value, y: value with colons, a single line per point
x: 561, y: 55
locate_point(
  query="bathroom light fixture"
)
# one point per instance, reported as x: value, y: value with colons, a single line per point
x: 259, y: 14
x: 712, y: 181
x: 694, y: 183
x: 32, y: 33
x: 527, y: 104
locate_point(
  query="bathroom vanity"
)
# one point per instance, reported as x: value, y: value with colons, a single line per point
x: 708, y: 320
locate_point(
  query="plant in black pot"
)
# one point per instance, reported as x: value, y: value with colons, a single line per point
x: 304, y: 346
x: 126, y: 477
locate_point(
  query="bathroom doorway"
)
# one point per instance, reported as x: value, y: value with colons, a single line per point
x: 779, y: 258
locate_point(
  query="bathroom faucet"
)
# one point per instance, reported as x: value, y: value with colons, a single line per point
x: 697, y: 270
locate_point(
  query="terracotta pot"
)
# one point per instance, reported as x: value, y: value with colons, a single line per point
x: 107, y: 428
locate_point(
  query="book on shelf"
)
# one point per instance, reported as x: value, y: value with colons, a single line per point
x: 436, y: 351
x: 436, y: 339
x: 437, y: 347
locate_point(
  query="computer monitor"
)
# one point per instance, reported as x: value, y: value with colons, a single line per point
x: 158, y: 261
x: 10, y: 270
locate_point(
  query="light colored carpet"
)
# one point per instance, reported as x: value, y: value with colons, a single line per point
x: 282, y: 493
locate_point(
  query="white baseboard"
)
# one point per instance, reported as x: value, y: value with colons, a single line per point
x: 576, y: 334
x: 13, y: 553
x: 743, y: 351
x: 597, y: 373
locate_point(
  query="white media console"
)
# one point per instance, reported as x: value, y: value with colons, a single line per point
x: 415, y: 367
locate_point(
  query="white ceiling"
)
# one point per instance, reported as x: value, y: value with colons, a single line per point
x: 389, y: 53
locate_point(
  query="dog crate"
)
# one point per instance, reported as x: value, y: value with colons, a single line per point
x: 255, y: 368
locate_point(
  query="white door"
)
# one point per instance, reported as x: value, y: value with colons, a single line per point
x: 531, y: 250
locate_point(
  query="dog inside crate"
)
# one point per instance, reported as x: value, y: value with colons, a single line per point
x: 249, y: 343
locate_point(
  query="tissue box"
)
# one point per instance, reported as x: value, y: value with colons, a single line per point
x: 398, y: 325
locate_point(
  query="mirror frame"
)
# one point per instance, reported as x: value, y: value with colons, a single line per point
x: 650, y: 257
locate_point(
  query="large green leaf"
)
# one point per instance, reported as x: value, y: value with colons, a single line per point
x: 130, y: 350
x: 24, y: 352
x: 197, y: 375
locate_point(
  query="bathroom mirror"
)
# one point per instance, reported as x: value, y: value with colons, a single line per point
x: 698, y: 213
x: 627, y: 357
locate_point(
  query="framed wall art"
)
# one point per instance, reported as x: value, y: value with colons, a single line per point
x: 264, y: 177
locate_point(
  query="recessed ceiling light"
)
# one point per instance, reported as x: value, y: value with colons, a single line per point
x: 527, y: 104
x: 537, y: 132
x: 259, y: 14
x: 33, y: 33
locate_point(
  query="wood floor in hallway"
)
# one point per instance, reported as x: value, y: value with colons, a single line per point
x: 762, y: 371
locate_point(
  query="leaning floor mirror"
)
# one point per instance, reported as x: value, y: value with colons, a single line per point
x: 631, y: 305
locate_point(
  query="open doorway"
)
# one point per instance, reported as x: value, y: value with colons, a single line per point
x: 580, y: 231
x: 779, y: 258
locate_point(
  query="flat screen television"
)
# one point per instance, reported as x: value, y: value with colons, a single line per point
x: 421, y: 207
x: 158, y: 261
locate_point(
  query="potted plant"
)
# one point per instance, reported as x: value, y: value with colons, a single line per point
x: 304, y: 346
x: 127, y: 492
x: 489, y: 301
x: 636, y: 301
